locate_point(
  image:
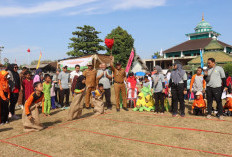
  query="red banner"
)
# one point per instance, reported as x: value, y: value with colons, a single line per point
x: 130, y: 60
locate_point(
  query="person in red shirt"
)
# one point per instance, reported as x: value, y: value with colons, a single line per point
x: 28, y: 85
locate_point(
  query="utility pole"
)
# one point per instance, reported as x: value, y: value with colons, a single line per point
x: 1, y: 49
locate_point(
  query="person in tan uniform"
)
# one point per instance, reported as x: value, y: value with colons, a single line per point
x: 90, y: 82
x: 119, y: 85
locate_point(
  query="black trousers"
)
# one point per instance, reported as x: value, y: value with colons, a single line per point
x: 64, y: 93
x: 4, y: 109
x: 13, y: 101
x: 217, y: 94
x: 178, y: 96
x: 159, y: 102
x: 108, y: 97
x: 57, y: 92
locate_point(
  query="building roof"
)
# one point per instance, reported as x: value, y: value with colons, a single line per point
x: 219, y: 56
x: 193, y: 45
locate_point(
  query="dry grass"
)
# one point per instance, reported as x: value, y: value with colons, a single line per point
x: 74, y: 139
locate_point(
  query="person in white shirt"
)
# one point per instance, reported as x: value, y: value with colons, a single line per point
x: 76, y: 72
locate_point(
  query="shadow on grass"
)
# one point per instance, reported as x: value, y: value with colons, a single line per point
x: 5, y: 129
x: 87, y: 115
x: 48, y: 124
x: 55, y: 112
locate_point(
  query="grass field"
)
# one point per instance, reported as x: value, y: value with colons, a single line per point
x: 125, y: 134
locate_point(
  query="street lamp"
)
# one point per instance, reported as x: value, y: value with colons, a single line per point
x: 1, y: 49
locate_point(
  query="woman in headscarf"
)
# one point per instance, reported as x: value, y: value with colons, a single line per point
x: 37, y: 77
x: 77, y: 104
x: 158, y: 89
x: 15, y: 86
x: 178, y: 84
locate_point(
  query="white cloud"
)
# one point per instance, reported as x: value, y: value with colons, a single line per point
x: 83, y: 6
x: 43, y: 7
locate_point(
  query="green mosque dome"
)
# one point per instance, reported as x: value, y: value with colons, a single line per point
x: 203, y: 26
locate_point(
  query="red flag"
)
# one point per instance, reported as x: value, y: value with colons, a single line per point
x: 28, y: 50
x: 109, y: 43
x: 130, y: 60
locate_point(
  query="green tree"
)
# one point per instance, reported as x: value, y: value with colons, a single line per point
x: 157, y: 54
x: 123, y: 44
x: 228, y: 68
x: 85, y: 41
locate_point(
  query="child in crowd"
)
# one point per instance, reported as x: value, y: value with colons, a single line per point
x: 77, y: 104
x: 53, y: 96
x: 4, y: 96
x: 28, y: 85
x: 98, y: 99
x: 144, y: 103
x: 146, y: 90
x: 228, y: 106
x: 30, y: 115
x: 47, y: 95
x: 199, y: 104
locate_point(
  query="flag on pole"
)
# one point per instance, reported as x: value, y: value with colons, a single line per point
x: 202, y: 61
x: 39, y: 60
x: 15, y: 61
x: 130, y: 60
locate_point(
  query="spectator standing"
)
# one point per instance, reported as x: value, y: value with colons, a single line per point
x: 57, y: 88
x: 38, y: 76
x: 216, y: 81
x: 15, y: 87
x: 90, y: 82
x: 178, y: 84
x: 64, y: 79
x: 76, y: 72
x: 21, y: 98
x: 104, y: 77
x: 198, y: 83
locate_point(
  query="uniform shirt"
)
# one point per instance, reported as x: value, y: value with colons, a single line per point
x: 119, y: 75
x: 104, y: 80
x: 90, y: 77
x: 216, y: 77
x: 64, y: 79
x: 158, y: 87
x: 74, y: 73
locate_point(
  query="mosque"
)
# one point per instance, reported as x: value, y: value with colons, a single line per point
x: 204, y: 39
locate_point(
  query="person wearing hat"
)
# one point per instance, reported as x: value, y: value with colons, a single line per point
x: 119, y: 85
x: 228, y: 106
x: 64, y: 79
x: 91, y: 82
x: 198, y: 104
x: 178, y: 84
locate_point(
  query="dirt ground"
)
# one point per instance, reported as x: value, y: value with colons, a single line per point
x: 124, y: 134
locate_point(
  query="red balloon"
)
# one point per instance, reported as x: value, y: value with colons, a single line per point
x: 109, y: 43
x: 28, y: 50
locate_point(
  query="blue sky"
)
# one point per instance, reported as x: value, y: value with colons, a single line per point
x: 47, y: 25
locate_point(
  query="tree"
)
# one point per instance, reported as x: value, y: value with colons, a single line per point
x: 157, y: 54
x: 123, y: 44
x: 85, y: 41
x: 228, y: 68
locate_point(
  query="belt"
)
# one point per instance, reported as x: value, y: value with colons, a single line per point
x: 118, y: 82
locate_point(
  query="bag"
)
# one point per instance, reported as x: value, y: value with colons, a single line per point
x: 209, y: 76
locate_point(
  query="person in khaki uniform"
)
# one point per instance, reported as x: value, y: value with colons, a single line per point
x: 90, y: 82
x: 119, y: 85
